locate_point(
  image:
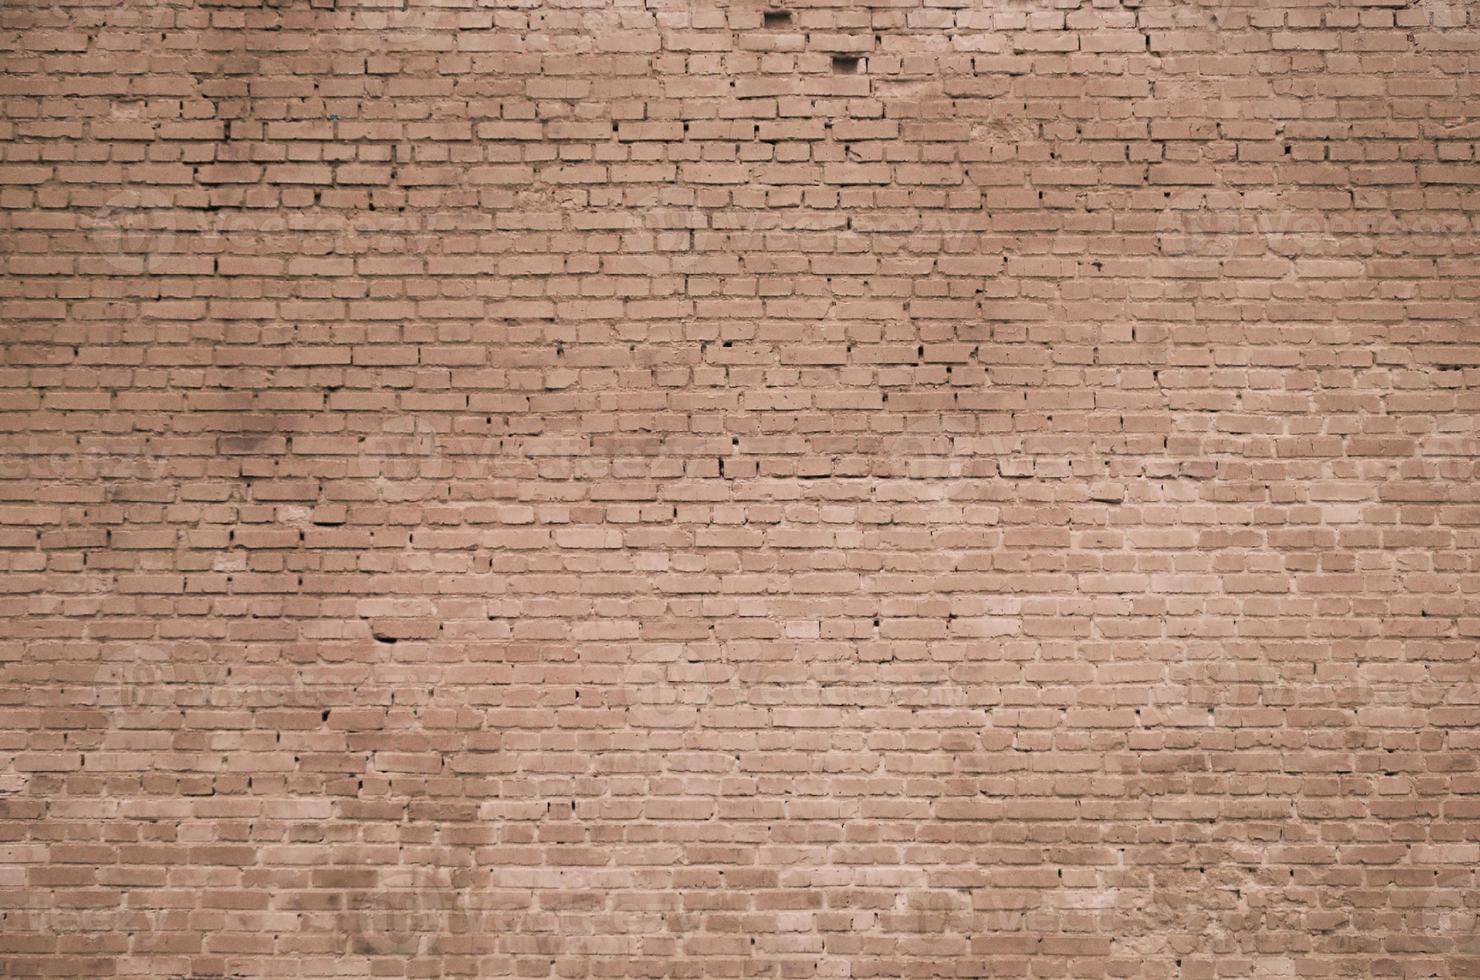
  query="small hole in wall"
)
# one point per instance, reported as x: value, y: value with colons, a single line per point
x: 845, y: 64
x: 776, y: 19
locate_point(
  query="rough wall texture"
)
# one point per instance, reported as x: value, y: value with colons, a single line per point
x: 903, y: 488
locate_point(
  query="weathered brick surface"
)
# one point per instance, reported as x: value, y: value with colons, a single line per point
x: 590, y: 488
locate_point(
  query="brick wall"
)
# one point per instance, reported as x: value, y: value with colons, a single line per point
x: 687, y: 489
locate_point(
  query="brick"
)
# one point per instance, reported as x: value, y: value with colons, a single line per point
x: 703, y: 490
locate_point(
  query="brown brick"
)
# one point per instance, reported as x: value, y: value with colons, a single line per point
x: 714, y: 490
